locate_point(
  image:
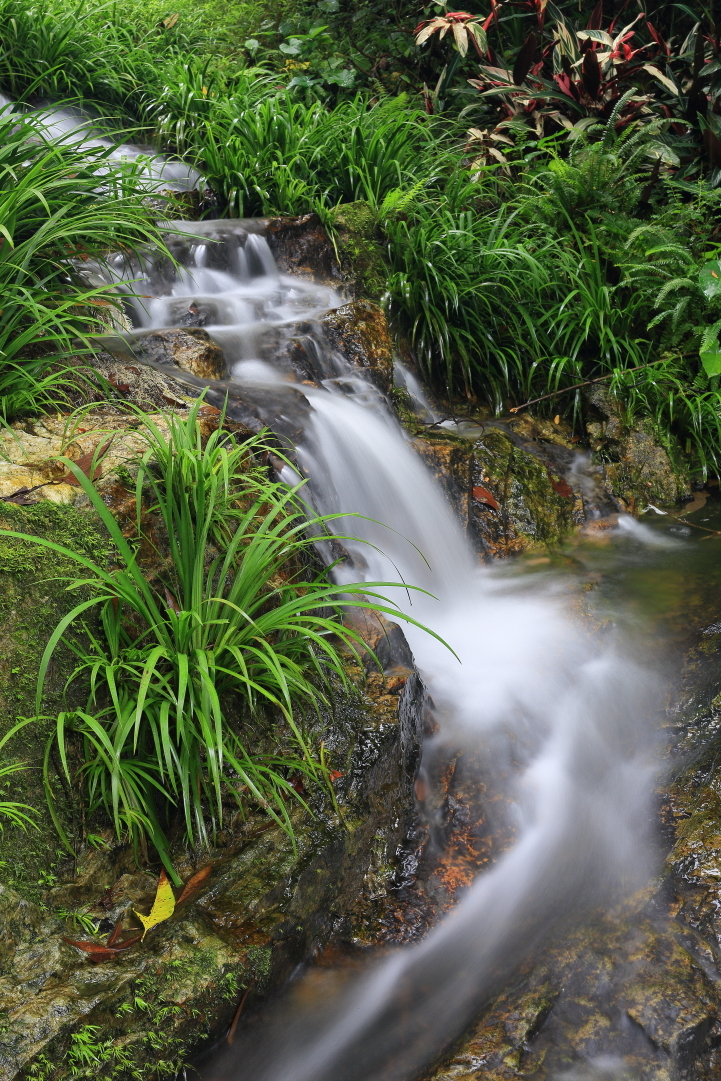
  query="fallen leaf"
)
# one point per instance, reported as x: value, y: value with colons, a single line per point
x: 163, y: 905
x: 21, y: 496
x: 334, y: 775
x: 561, y: 486
x: 298, y: 784
x: 122, y: 387
x: 557, y: 419
x: 482, y: 495
x: 171, y: 601
x: 85, y: 463
x: 94, y: 950
x: 194, y: 883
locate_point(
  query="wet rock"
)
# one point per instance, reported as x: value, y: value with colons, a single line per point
x: 507, y: 499
x: 359, y: 331
x: 189, y: 348
x: 301, y: 246
x: 30, y: 452
x: 639, y: 468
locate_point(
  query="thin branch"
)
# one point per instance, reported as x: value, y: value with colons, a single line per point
x: 586, y: 383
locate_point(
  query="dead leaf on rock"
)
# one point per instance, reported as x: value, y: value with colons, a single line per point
x: 194, y: 883
x: 561, y: 486
x: 482, y: 495
x: 85, y: 463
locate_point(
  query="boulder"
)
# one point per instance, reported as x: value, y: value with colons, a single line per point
x: 359, y: 331
x: 189, y: 348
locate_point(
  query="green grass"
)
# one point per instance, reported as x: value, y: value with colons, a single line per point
x: 223, y: 652
x: 57, y: 205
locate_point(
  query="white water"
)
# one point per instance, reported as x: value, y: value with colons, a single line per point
x: 72, y: 127
x: 529, y: 685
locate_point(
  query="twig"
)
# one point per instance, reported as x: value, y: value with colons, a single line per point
x: 231, y: 1034
x: 586, y: 383
x: 685, y: 521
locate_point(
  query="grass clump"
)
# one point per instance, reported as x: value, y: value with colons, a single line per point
x: 224, y: 651
x: 60, y: 204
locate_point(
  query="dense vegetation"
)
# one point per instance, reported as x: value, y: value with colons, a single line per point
x: 545, y: 178
x: 546, y: 181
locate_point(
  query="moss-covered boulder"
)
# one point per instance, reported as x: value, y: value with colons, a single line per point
x: 507, y: 499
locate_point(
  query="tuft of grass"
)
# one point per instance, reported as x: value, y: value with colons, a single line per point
x: 59, y: 205
x: 224, y: 652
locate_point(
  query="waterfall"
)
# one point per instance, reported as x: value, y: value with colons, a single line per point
x: 564, y: 711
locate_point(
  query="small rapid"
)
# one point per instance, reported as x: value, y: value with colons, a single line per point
x: 566, y: 712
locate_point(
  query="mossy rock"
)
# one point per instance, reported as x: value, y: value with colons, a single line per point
x: 506, y: 498
x: 33, y: 600
x: 359, y: 243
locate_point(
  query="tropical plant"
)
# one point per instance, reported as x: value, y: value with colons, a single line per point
x: 221, y: 653
x: 59, y: 204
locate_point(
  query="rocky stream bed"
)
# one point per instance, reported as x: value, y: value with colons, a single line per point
x: 634, y: 993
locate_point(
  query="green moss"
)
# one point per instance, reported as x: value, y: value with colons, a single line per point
x: 33, y: 599
x: 359, y: 247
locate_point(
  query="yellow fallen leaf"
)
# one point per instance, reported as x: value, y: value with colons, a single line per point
x: 163, y: 905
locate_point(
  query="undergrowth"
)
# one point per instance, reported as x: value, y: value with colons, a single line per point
x: 204, y: 675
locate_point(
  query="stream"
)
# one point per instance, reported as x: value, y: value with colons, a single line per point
x: 562, y: 700
x: 567, y: 713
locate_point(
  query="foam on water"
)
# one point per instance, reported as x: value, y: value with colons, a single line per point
x: 566, y: 714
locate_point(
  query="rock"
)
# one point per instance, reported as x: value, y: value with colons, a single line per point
x: 189, y: 348
x: 534, y: 505
x: 359, y: 331
x: 301, y: 246
x: 639, y: 468
x: 353, y: 260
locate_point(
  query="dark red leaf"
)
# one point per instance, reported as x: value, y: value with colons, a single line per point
x: 115, y: 934
x: 194, y: 883
x: 482, y: 495
x: 122, y: 387
x: 95, y: 951
x: 126, y: 943
x: 85, y: 464
x: 334, y: 775
x: 524, y: 59
x: 561, y: 486
x: 170, y: 600
x: 660, y: 41
x: 591, y: 74
x: 594, y: 23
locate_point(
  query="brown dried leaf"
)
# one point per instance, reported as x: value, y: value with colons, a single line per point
x: 194, y: 883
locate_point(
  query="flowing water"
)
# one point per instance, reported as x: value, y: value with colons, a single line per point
x: 564, y: 711
x: 74, y: 128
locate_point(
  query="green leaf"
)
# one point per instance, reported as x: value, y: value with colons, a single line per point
x: 711, y: 363
x: 252, y: 45
x: 710, y: 278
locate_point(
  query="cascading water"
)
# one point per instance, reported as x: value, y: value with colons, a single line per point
x: 73, y: 127
x: 566, y: 714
